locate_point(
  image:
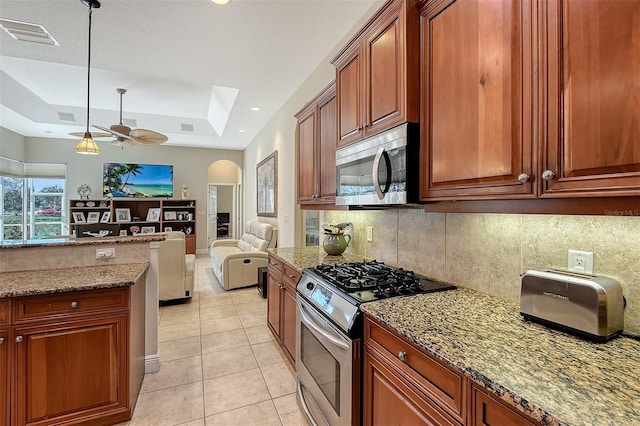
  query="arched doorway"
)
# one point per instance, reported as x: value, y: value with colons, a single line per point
x: 224, y: 205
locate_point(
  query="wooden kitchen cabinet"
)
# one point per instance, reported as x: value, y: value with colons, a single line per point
x: 377, y: 74
x: 476, y: 116
x: 426, y: 388
x: 487, y: 410
x: 76, y: 357
x: 281, y: 305
x: 316, y: 140
x: 591, y: 83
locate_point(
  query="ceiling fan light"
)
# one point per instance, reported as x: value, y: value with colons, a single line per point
x: 87, y: 146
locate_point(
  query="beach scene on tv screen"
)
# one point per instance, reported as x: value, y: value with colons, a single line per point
x: 137, y: 180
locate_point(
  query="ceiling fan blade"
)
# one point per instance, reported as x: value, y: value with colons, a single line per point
x: 94, y: 134
x: 148, y: 137
x: 113, y: 132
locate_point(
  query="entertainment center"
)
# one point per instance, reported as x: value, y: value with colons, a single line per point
x: 138, y: 216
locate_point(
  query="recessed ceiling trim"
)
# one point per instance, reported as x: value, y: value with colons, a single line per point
x: 26, y: 31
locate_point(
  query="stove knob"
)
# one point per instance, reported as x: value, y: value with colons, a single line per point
x: 310, y: 286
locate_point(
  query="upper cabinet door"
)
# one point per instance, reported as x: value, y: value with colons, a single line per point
x: 349, y: 87
x: 327, y: 141
x: 593, y: 98
x: 384, y: 97
x: 306, y: 138
x: 476, y: 100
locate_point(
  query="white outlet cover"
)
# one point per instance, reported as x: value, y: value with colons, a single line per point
x: 580, y: 261
x: 369, y: 233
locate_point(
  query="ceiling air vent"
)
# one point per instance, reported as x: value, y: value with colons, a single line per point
x: 25, y: 31
x: 66, y: 116
x: 186, y: 127
x: 130, y: 122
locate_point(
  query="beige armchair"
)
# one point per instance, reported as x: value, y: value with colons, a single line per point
x: 235, y: 263
x: 175, y: 268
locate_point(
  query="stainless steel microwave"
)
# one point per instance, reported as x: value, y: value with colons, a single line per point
x: 382, y: 169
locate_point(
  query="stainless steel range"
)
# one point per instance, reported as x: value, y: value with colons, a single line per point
x: 329, y: 332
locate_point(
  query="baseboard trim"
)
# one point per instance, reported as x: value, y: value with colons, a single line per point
x: 151, y: 363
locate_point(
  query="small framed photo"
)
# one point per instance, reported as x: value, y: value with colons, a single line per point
x: 168, y: 229
x: 170, y: 215
x: 153, y: 215
x: 148, y: 230
x: 78, y: 217
x: 123, y: 232
x: 106, y: 216
x: 93, y: 217
x: 123, y: 215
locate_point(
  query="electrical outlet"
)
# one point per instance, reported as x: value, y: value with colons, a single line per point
x: 580, y: 261
x: 370, y: 233
x: 105, y: 253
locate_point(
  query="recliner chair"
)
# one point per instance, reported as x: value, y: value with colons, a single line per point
x: 175, y: 268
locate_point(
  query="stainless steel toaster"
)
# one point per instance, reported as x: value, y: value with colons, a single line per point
x: 587, y: 305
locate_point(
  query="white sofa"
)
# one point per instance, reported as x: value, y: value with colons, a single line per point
x: 175, y: 268
x: 235, y: 263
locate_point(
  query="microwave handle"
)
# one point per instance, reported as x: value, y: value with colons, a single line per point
x: 376, y: 168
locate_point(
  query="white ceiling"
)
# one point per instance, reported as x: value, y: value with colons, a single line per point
x: 183, y: 62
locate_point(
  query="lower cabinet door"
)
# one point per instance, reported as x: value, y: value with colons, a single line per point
x: 4, y: 378
x: 388, y: 400
x: 289, y: 324
x: 73, y: 371
x: 273, y: 304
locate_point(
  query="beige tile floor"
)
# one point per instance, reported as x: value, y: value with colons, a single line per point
x: 219, y: 364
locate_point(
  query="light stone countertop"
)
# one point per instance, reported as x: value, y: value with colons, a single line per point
x: 72, y: 241
x: 554, y: 377
x: 30, y: 283
x: 308, y: 257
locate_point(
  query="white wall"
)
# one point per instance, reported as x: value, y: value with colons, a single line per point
x: 279, y: 134
x: 191, y: 168
x: 11, y: 145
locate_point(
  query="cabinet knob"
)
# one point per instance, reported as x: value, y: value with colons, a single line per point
x: 366, y: 125
x: 74, y: 305
x: 1, y: 340
x: 291, y: 276
x: 524, y: 178
x: 19, y: 339
x: 359, y: 128
x: 548, y: 175
x: 402, y: 356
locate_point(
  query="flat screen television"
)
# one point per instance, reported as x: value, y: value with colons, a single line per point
x: 127, y: 180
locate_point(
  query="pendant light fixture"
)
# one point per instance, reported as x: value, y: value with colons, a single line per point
x: 87, y: 145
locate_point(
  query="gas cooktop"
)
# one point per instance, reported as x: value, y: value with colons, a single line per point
x: 373, y: 280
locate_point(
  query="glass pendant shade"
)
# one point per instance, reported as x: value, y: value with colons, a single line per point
x: 87, y: 145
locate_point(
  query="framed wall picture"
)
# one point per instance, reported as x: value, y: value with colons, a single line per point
x: 153, y: 215
x: 78, y: 217
x: 148, y: 230
x: 123, y: 215
x: 267, y: 186
x: 106, y: 216
x: 93, y: 217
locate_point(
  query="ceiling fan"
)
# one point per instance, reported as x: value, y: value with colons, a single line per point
x: 125, y: 135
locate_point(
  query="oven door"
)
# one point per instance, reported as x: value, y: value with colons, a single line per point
x: 328, y: 365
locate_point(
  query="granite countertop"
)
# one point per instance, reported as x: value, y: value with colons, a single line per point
x: 307, y: 257
x: 554, y: 377
x: 30, y: 283
x: 72, y: 241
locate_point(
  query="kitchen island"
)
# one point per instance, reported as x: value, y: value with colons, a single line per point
x: 72, y: 344
x: 552, y: 377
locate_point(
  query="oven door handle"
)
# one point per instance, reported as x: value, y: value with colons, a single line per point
x: 307, y: 320
x: 376, y: 169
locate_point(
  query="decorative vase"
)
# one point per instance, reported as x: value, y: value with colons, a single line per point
x: 335, y: 243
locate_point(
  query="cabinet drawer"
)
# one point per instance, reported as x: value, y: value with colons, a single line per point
x: 5, y: 311
x: 33, y: 308
x: 443, y: 385
x: 275, y: 265
x: 488, y: 411
x: 291, y: 274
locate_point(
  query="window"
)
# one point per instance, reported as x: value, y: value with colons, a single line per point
x: 32, y: 202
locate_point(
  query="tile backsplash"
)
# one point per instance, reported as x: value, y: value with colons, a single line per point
x: 488, y: 252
